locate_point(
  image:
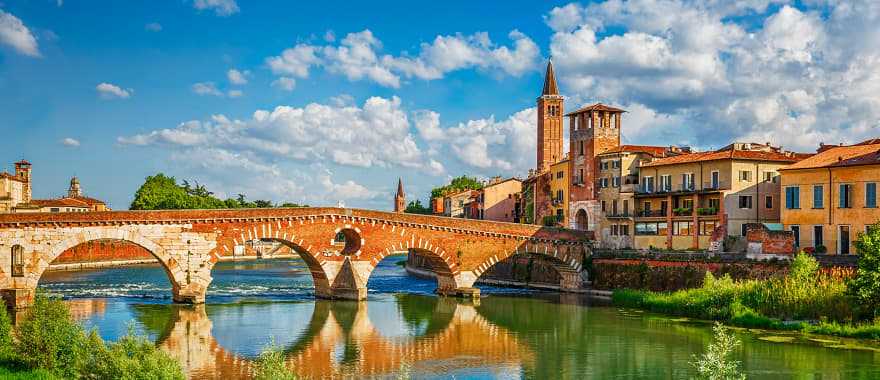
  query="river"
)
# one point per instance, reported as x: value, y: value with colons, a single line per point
x: 404, y: 331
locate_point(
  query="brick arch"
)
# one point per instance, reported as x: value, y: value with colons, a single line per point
x: 444, y: 262
x: 176, y: 275
x: 280, y: 232
x: 566, y: 256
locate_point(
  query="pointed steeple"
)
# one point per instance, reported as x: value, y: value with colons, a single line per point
x: 400, y: 187
x: 400, y: 198
x: 550, y: 81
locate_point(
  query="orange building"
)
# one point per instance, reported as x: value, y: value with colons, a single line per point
x: 831, y: 197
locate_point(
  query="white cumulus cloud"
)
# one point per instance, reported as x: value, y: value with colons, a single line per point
x: 112, y: 91
x: 70, y: 142
x: 206, y: 88
x: 153, y: 27
x: 221, y: 8
x: 14, y: 33
x: 237, y: 77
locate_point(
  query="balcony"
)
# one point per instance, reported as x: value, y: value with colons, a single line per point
x: 651, y: 213
x: 618, y: 215
x: 718, y: 185
x: 682, y: 211
x: 707, y: 211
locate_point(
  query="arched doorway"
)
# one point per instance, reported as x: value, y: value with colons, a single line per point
x: 581, y: 221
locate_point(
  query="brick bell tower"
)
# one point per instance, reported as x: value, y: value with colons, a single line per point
x: 400, y: 197
x: 549, y: 122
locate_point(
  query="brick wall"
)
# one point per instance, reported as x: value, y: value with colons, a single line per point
x: 764, y: 241
x: 103, y: 250
x: 660, y: 275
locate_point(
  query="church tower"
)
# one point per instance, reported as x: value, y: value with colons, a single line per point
x: 549, y: 122
x: 74, y: 191
x: 400, y: 197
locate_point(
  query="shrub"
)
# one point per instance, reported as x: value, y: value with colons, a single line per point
x: 821, y: 249
x: 865, y: 287
x: 130, y: 358
x: 48, y: 338
x: 803, y: 268
x: 5, y: 333
x: 716, y: 362
x: 270, y: 365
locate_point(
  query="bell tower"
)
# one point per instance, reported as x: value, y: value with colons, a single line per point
x: 549, y: 122
x: 400, y: 197
x: 23, y: 171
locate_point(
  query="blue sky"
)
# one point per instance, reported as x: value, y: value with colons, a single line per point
x: 328, y: 101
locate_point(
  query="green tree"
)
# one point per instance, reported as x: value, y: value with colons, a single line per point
x: 803, y: 268
x: 161, y: 192
x: 415, y: 207
x: 457, y: 184
x: 48, y: 338
x: 716, y: 363
x: 865, y: 286
x: 270, y: 365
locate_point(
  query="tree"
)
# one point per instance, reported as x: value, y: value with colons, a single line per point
x: 161, y: 192
x: 865, y: 286
x: 458, y: 184
x: 415, y: 207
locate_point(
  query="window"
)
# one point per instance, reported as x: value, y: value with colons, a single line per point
x: 651, y: 228
x: 624, y: 229
x: 560, y: 214
x: 614, y: 207
x: 845, y: 196
x: 648, y: 184
x: 745, y: 201
x: 768, y: 176
x: 615, y: 164
x: 687, y: 204
x: 818, y: 238
x: 687, y: 181
x: 17, y: 261
x: 615, y: 182
x: 683, y: 228
x: 603, y: 182
x: 715, y: 203
x: 560, y: 174
x: 796, y: 231
x: 768, y: 202
x: 871, y: 195
x: 745, y: 175
x: 792, y: 197
x: 581, y: 147
x: 665, y: 182
x: 614, y: 230
x: 646, y: 206
x: 743, y: 229
x: 603, y: 206
x: 626, y: 207
x: 707, y: 227
x: 559, y: 195
x: 664, y: 205
x: 54, y: 209
x: 716, y: 179
x: 818, y: 196
x: 580, y: 178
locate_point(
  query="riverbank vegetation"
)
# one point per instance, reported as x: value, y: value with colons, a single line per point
x: 833, y: 302
x: 161, y: 192
x: 48, y: 344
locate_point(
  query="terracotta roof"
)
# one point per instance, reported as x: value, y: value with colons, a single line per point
x: 656, y: 151
x: 853, y: 155
x: 89, y: 201
x: 730, y: 154
x: 62, y: 202
x: 596, y: 107
x: 12, y: 177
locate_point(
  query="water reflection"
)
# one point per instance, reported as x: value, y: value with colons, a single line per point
x: 428, y: 335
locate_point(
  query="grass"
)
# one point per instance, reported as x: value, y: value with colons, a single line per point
x: 808, y: 300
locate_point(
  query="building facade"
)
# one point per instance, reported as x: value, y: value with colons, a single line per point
x: 559, y: 174
x: 593, y: 130
x: 498, y: 199
x: 831, y: 197
x: 15, y: 195
x: 682, y: 199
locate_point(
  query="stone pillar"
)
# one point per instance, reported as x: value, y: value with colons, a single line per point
x: 461, y: 285
x: 17, y: 299
x: 192, y: 293
x: 350, y: 283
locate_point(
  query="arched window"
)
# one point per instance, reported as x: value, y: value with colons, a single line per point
x: 17, y: 261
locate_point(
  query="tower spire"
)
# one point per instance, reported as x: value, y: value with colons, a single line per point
x: 550, y: 87
x: 400, y: 197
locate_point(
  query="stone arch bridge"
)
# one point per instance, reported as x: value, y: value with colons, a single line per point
x: 340, y: 246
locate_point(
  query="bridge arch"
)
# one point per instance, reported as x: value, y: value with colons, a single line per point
x: 568, y: 262
x: 319, y: 274
x: 176, y: 275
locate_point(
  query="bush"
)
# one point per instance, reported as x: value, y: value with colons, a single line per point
x: 49, y: 339
x: 716, y: 362
x: 131, y: 358
x: 865, y: 287
x: 5, y: 333
x: 270, y: 365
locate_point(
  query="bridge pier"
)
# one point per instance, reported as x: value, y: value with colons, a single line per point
x: 17, y: 299
x: 349, y: 281
x: 193, y: 293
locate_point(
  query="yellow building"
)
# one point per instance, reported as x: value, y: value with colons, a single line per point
x: 680, y: 200
x: 497, y: 200
x: 617, y: 180
x: 15, y: 195
x: 831, y: 197
x: 15, y: 188
x: 559, y: 190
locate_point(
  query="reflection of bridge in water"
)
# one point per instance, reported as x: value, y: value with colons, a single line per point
x: 340, y: 340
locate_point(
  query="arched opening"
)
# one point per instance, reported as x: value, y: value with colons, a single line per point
x: 269, y: 267
x: 349, y: 240
x: 581, y: 221
x: 529, y: 270
x: 417, y: 270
